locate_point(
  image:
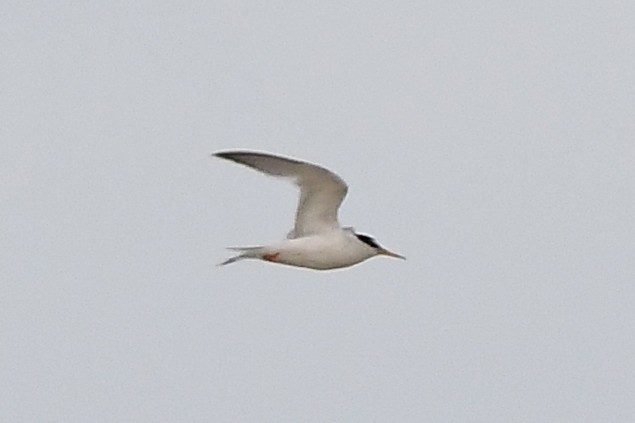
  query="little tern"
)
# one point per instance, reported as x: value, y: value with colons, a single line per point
x: 317, y: 240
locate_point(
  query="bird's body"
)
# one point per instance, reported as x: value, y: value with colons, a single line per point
x: 330, y: 250
x: 317, y: 241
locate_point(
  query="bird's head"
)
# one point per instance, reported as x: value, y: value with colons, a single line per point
x: 379, y: 250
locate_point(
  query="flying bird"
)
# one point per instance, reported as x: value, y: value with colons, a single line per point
x: 317, y: 241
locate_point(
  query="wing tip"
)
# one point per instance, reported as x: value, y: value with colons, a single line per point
x: 223, y: 154
x: 236, y: 155
x: 229, y: 154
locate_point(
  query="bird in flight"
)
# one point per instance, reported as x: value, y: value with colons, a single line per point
x: 317, y: 240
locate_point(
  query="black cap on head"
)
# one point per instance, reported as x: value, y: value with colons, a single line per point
x: 368, y: 240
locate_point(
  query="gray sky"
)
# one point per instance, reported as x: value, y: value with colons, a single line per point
x: 492, y: 144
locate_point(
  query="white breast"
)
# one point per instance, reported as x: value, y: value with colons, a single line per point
x: 325, y: 251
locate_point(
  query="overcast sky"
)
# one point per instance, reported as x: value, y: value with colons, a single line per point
x: 492, y: 143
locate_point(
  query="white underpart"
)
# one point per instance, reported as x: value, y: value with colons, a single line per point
x: 329, y: 250
x: 316, y: 241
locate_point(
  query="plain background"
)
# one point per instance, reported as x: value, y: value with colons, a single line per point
x: 492, y: 143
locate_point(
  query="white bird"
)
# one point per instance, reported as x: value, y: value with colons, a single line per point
x: 317, y: 241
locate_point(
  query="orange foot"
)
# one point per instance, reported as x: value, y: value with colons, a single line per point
x: 271, y: 257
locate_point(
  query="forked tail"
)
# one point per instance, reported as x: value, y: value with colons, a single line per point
x: 245, y: 253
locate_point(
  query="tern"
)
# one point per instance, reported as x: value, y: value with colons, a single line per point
x: 317, y: 240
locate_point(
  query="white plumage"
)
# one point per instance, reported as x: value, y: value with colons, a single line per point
x: 317, y: 240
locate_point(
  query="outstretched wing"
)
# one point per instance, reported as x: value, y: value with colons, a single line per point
x: 321, y: 191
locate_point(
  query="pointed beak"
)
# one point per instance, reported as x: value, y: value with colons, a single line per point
x: 385, y: 252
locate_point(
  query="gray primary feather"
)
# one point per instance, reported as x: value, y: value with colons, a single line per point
x: 321, y: 191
